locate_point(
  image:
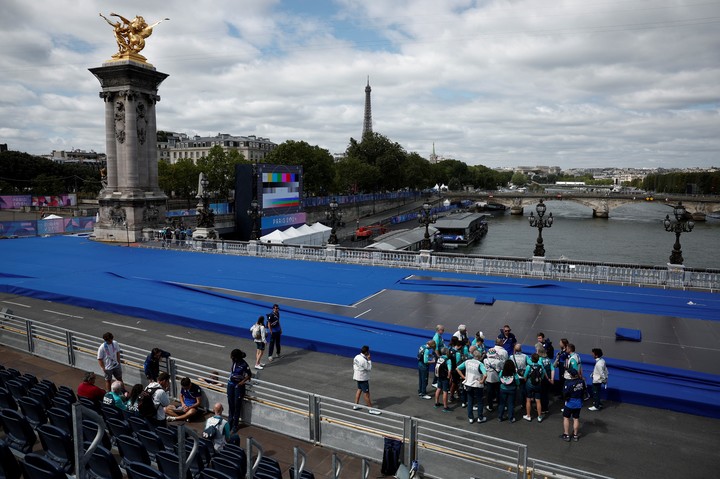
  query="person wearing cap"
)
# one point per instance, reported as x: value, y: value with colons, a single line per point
x: 461, y: 334
x: 573, y: 392
x: 361, y: 374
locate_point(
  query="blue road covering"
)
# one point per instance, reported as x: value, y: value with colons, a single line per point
x: 172, y: 286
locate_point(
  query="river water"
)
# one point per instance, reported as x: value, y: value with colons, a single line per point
x: 634, y: 233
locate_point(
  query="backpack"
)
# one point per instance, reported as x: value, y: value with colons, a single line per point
x: 441, y: 368
x: 146, y: 405
x: 211, y: 431
x: 536, y: 374
x: 549, y: 349
x: 421, y: 353
x: 256, y: 332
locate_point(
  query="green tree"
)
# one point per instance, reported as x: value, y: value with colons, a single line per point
x: 519, y: 179
x: 388, y: 157
x: 355, y: 176
x: 318, y: 165
x: 220, y: 170
x: 417, y: 173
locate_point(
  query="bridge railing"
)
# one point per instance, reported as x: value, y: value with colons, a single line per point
x: 670, y: 276
x: 303, y: 415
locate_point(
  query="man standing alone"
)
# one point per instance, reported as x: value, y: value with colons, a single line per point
x: 361, y: 373
x: 273, y: 325
x: 108, y: 357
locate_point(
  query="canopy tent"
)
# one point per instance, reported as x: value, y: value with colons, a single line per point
x: 316, y: 235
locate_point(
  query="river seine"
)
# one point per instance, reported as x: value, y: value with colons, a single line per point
x: 634, y: 233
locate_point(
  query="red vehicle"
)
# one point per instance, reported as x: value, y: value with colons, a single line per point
x: 366, y: 232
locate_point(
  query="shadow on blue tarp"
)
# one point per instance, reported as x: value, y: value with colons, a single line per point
x: 172, y: 287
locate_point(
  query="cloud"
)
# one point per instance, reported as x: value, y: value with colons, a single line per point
x: 499, y: 83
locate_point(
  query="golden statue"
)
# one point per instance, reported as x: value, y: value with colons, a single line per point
x: 130, y: 36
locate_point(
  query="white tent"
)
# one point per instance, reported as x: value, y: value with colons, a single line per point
x: 276, y: 237
x: 316, y: 235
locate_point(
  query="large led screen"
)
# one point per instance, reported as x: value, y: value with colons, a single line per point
x: 281, y: 189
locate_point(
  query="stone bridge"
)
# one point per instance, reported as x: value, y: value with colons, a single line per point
x: 600, y: 203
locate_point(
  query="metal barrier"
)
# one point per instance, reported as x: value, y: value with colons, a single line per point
x: 321, y: 420
x: 670, y: 276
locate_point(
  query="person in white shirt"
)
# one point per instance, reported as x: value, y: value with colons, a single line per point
x: 361, y: 373
x: 599, y: 377
x: 160, y: 398
x: 108, y: 357
x: 473, y: 374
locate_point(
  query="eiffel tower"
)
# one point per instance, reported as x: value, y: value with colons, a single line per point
x: 367, y: 121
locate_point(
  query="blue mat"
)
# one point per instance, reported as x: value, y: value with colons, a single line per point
x: 153, y: 284
x: 628, y: 334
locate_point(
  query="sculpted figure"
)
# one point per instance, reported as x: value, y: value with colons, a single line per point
x: 130, y: 35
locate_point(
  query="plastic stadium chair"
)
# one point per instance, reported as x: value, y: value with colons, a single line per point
x: 37, y: 466
x: 228, y: 466
x: 168, y: 435
x: 90, y: 404
x: 7, y: 401
x: 151, y: 442
x: 109, y: 410
x: 268, y: 468
x: 61, y: 418
x: 58, y: 446
x: 138, y: 423
x: 118, y: 427
x: 214, y: 474
x: 131, y: 450
x: 303, y: 475
x: 9, y: 467
x: 62, y: 403
x: 34, y: 411
x: 42, y: 395
x: 31, y: 379
x: 19, y: 433
x: 89, y: 430
x: 168, y: 463
x: 50, y: 385
x: 66, y: 392
x: 136, y: 470
x: 102, y: 465
x: 16, y: 388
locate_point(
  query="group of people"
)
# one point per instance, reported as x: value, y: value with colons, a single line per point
x: 483, y: 377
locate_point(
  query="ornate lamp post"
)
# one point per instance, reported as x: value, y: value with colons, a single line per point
x: 425, y: 218
x: 255, y: 213
x: 333, y: 215
x: 683, y: 222
x: 540, y: 222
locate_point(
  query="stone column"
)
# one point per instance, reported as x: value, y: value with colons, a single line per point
x: 132, y: 201
x: 110, y: 149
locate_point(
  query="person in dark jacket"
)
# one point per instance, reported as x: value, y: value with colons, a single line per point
x: 152, y: 363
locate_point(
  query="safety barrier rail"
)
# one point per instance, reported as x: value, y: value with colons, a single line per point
x: 670, y: 276
x: 322, y: 420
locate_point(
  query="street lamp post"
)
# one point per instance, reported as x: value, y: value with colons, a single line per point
x: 333, y: 214
x: 540, y: 222
x: 683, y: 223
x: 425, y: 218
x: 255, y: 213
x: 127, y: 232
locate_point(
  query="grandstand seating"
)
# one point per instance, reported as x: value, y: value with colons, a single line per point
x: 44, y: 412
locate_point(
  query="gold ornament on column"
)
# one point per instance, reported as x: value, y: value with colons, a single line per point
x: 130, y: 36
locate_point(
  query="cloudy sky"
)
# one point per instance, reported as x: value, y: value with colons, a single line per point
x: 572, y: 83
